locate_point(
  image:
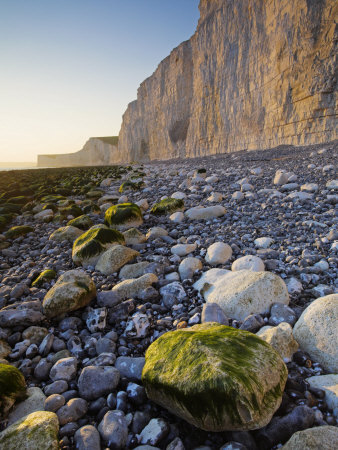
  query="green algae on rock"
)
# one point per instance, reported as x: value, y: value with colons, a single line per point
x: 17, y: 231
x: 90, y: 245
x: 215, y: 377
x: 123, y: 216
x: 83, y: 222
x: 44, y: 276
x: 73, y: 290
x: 167, y: 206
x: 131, y: 186
x: 12, y: 387
x: 37, y: 431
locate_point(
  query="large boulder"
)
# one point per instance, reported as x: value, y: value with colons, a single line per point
x: 123, y: 216
x: 12, y: 387
x: 244, y: 292
x: 73, y: 290
x: 38, y: 430
x: 114, y: 258
x: 317, y: 438
x: 88, y: 248
x: 215, y: 377
x: 316, y: 331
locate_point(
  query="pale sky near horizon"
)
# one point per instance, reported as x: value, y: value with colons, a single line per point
x: 69, y: 68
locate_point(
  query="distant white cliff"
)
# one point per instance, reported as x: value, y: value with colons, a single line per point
x: 97, y: 151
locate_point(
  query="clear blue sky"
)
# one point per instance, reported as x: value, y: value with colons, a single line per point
x: 70, y: 67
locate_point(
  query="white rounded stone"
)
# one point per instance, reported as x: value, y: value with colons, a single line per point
x: 245, y: 292
x: 218, y: 253
x: 248, y: 262
x: 316, y: 331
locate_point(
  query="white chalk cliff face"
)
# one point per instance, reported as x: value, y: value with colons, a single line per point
x: 256, y: 74
x: 96, y: 152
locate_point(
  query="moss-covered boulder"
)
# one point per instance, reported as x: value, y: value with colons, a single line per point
x: 73, y: 290
x: 83, y: 222
x: 5, y: 219
x: 131, y: 186
x: 68, y: 233
x: 17, y: 231
x: 123, y: 216
x: 88, y: 248
x: 215, y: 377
x: 9, y: 208
x: 90, y: 207
x: 38, y: 430
x: 44, y: 276
x: 52, y: 198
x: 64, y: 212
x: 19, y: 200
x: 167, y: 206
x: 12, y: 388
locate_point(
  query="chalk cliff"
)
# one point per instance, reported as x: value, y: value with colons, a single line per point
x: 256, y: 74
x: 97, y: 151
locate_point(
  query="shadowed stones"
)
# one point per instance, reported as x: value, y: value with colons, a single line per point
x: 215, y: 377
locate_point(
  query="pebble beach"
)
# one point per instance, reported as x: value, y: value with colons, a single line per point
x: 129, y: 296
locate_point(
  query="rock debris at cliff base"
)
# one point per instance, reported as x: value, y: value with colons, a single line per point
x: 253, y: 250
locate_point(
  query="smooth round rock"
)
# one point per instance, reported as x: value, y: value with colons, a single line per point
x: 316, y: 331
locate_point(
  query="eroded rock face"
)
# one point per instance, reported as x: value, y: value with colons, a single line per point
x: 254, y: 75
x: 215, y: 377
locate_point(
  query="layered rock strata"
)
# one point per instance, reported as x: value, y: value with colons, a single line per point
x: 256, y: 74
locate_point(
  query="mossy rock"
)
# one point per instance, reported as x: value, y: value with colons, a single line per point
x: 83, y: 222
x: 44, y: 276
x: 215, y: 377
x: 123, y: 216
x: 73, y: 290
x: 9, y: 208
x: 131, y: 186
x: 90, y: 245
x: 20, y: 230
x: 38, y: 430
x: 52, y: 198
x: 19, y: 200
x: 12, y: 387
x: 3, y: 222
x: 71, y: 210
x: 94, y: 193
x: 51, y: 206
x: 167, y: 206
